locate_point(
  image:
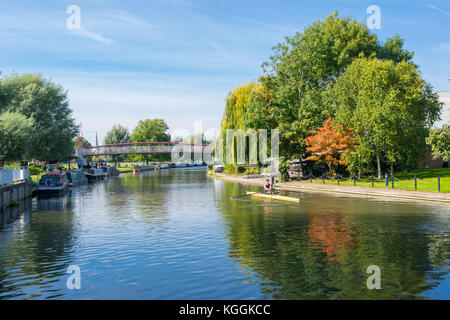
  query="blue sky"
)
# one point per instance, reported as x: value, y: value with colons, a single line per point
x: 177, y: 59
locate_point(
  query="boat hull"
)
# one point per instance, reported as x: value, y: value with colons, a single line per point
x: 94, y: 178
x: 273, y: 197
x: 52, y: 192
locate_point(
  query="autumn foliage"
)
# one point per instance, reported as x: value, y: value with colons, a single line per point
x: 329, y: 144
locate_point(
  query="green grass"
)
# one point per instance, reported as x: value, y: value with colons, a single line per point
x: 426, y: 180
x: 37, y: 177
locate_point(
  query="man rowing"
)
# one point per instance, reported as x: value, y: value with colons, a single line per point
x: 268, y: 187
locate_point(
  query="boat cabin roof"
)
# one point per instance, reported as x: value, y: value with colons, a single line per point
x: 55, y: 174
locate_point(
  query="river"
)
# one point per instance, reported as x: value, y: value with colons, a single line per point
x: 176, y: 234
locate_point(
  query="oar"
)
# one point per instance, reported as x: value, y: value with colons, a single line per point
x: 295, y: 191
x: 243, y: 195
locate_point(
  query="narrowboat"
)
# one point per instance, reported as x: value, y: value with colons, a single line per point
x: 76, y: 178
x: 109, y: 171
x: 143, y: 167
x: 53, y: 184
x: 94, y: 174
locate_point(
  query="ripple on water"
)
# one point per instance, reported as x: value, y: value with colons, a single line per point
x: 179, y: 235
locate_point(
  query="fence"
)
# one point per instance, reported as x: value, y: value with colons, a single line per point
x: 10, y: 175
x: 389, y: 182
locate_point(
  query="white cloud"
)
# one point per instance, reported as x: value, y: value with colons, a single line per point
x: 93, y: 35
x: 445, y: 47
x: 439, y: 10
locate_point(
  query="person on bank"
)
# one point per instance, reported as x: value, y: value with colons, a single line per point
x: 267, y: 187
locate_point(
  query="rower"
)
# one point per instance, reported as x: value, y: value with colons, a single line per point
x: 267, y: 187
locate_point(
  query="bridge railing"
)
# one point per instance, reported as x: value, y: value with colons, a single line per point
x: 141, y: 148
x: 10, y: 175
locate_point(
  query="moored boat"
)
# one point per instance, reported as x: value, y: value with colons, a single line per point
x: 143, y: 167
x: 76, y: 178
x: 94, y: 174
x: 53, y: 184
x: 109, y: 171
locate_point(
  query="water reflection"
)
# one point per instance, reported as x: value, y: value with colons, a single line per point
x: 322, y: 248
x: 176, y: 234
x: 35, y: 255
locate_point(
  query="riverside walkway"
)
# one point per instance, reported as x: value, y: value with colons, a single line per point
x: 346, y: 190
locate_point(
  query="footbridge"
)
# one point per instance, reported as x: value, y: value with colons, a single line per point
x: 143, y: 148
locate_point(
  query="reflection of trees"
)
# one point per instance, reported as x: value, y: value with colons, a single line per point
x: 328, y: 233
x: 39, y: 253
x: 323, y: 248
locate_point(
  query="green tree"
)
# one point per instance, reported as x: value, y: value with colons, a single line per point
x: 15, y: 136
x: 392, y: 49
x: 117, y: 134
x: 303, y: 67
x: 439, y: 141
x: 151, y: 130
x: 293, y: 95
x: 46, y: 102
x: 80, y: 142
x: 194, y: 139
x: 389, y: 107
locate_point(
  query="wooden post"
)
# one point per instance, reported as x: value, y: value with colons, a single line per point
x: 338, y: 178
x: 323, y: 178
x: 354, y: 180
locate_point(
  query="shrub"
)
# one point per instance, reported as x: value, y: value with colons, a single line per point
x: 252, y: 171
x: 229, y: 169
x: 240, y: 169
x: 283, y: 168
x: 33, y: 170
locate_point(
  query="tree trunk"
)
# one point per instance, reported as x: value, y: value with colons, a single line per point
x: 379, y: 166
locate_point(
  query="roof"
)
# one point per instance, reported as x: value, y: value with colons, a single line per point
x: 55, y: 174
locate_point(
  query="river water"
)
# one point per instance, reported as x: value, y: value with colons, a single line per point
x: 176, y: 234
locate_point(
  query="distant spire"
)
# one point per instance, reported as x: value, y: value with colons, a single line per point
x: 96, y: 139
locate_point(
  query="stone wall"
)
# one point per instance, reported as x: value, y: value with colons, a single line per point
x: 14, y: 192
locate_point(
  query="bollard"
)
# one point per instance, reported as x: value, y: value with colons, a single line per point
x: 338, y: 178
x: 354, y: 180
x: 323, y: 178
x: 415, y: 183
x: 386, y: 182
x: 439, y: 184
x: 310, y: 177
x: 372, y: 180
x: 392, y: 181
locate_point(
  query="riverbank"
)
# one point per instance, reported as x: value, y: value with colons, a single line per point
x: 345, y: 190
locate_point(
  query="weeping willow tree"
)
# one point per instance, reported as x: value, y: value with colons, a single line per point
x: 237, y: 104
x: 237, y: 107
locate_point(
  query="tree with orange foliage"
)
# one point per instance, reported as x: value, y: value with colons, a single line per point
x: 329, y: 144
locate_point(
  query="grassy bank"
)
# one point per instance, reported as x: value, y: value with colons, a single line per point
x: 426, y: 179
